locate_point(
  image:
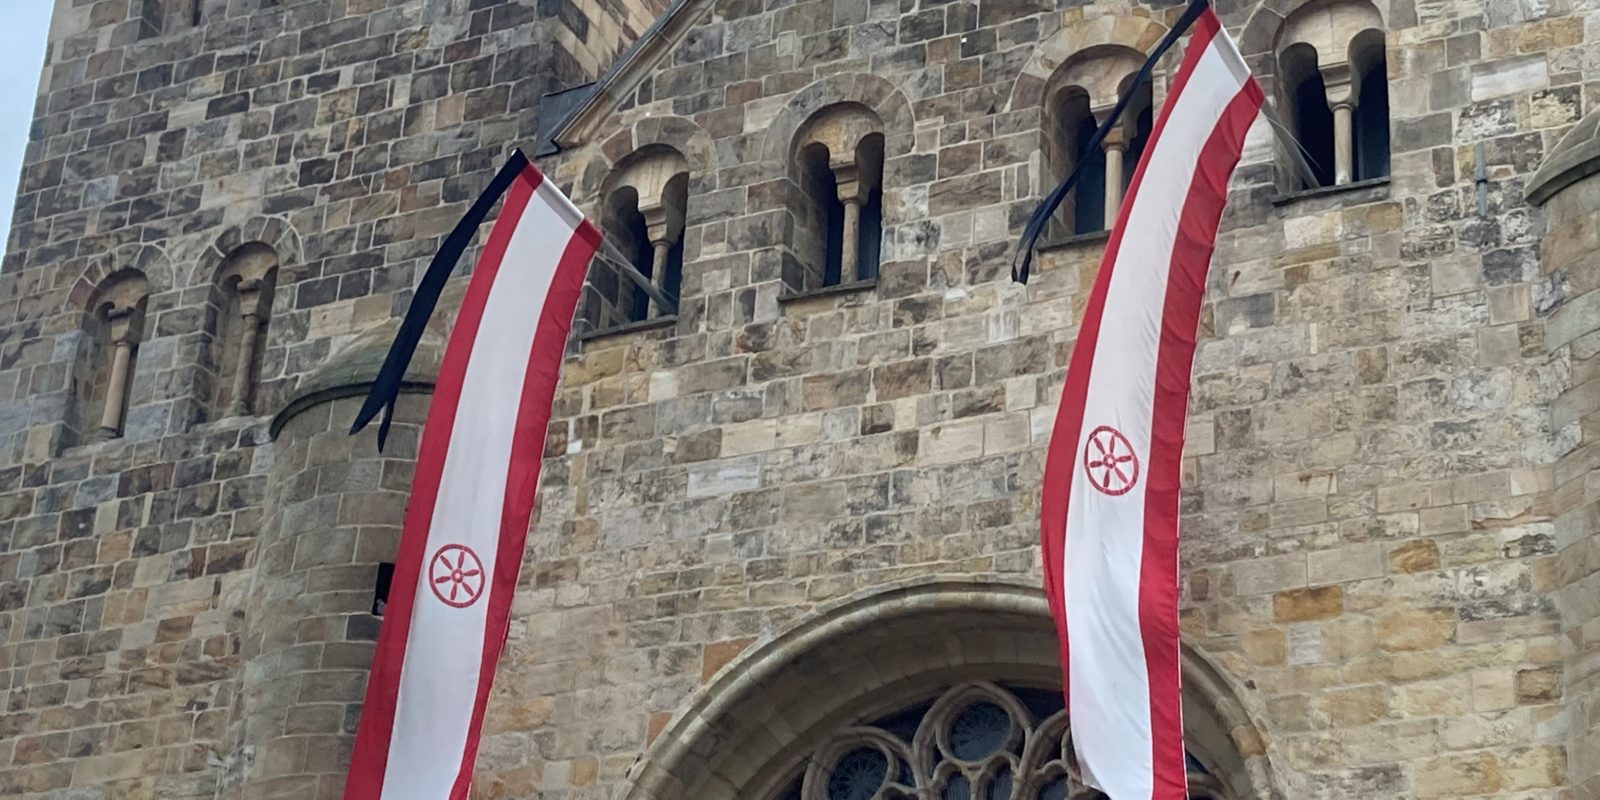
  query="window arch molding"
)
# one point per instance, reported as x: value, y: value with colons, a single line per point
x: 270, y: 231
x: 1136, y: 34
x: 744, y: 733
x: 148, y: 259
x: 678, y: 133
x: 875, y: 93
x: 234, y: 283
x: 1325, y: 64
x: 1262, y: 32
x: 835, y: 185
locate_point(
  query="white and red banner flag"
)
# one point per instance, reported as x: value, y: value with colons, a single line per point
x: 1109, y: 512
x: 473, y: 491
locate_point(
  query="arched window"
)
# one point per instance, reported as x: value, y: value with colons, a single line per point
x: 976, y: 741
x: 239, y: 309
x: 1334, y: 89
x: 644, y: 201
x: 837, y: 196
x: 113, y: 327
x: 1079, y: 96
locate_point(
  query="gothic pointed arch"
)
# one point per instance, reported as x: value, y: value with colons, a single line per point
x: 801, y: 698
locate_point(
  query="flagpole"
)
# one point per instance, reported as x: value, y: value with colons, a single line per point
x: 1297, y: 154
x: 610, y: 253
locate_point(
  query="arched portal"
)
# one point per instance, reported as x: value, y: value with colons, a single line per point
x: 783, y: 707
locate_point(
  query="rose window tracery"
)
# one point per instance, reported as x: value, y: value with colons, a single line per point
x: 977, y: 741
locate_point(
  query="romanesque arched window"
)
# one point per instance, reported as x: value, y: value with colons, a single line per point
x: 113, y: 327
x: 1334, y: 90
x: 239, y: 309
x: 1079, y: 96
x: 837, y: 197
x: 644, y: 202
x: 975, y: 741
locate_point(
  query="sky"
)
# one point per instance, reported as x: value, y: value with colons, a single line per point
x: 22, y: 43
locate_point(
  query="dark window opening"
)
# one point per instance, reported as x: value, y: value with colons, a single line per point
x: 380, y: 588
x: 1310, y: 117
x: 1371, y: 120
x: 1144, y: 127
x: 1089, y: 212
x: 642, y: 255
x: 871, y: 239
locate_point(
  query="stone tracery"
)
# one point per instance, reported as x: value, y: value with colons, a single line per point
x: 977, y: 741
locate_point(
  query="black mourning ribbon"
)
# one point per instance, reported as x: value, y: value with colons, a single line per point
x: 385, y: 391
x: 1022, y: 262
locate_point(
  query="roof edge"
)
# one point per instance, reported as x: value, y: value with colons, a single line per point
x: 630, y: 68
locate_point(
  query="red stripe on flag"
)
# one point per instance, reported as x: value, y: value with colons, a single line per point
x: 1180, y: 320
x: 527, y: 456
x: 371, y: 752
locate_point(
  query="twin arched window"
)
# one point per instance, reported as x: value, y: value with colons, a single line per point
x: 1078, y: 98
x: 836, y: 196
x: 1334, y: 90
x: 644, y: 204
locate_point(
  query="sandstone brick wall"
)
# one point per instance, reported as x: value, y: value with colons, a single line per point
x: 1368, y: 538
x: 1371, y: 551
x: 347, y: 135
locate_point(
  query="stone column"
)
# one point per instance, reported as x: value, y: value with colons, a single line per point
x: 250, y: 296
x: 1341, y: 98
x: 1116, y: 146
x: 658, y: 226
x: 124, y: 337
x: 333, y: 511
x: 852, y: 194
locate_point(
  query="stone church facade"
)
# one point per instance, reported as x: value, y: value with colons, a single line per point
x: 786, y: 543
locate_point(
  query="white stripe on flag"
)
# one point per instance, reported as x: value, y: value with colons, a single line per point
x: 1116, y: 450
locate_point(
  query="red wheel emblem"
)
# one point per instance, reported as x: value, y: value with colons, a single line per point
x: 456, y: 576
x: 1110, y: 462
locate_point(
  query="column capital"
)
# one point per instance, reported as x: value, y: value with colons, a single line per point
x: 123, y: 329
x: 1116, y: 139
x: 661, y: 225
x: 1338, y: 81
x: 848, y: 183
x: 250, y: 297
x: 1121, y: 134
